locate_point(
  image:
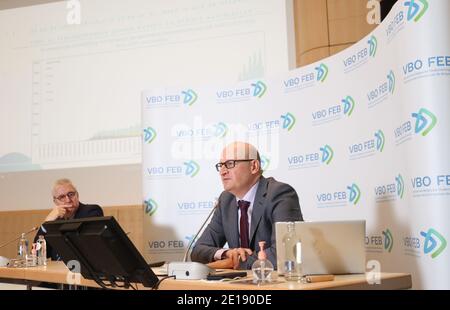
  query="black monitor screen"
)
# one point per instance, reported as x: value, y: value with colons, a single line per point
x: 102, y: 248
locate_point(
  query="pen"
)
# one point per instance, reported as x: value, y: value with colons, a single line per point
x: 319, y: 278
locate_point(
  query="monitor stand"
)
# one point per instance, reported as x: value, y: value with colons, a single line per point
x: 84, y: 262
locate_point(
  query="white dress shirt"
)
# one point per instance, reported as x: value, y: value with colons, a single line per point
x: 250, y: 197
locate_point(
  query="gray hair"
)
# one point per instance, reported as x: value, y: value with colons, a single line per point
x: 60, y: 182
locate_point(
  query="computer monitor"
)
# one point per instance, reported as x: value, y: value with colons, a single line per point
x: 102, y: 248
x: 328, y: 247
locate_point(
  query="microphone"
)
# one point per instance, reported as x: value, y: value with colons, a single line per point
x: 198, y: 232
x: 191, y: 270
x: 20, y: 236
x: 3, y: 260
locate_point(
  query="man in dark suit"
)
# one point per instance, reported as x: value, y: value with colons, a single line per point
x: 246, y: 212
x: 67, y: 206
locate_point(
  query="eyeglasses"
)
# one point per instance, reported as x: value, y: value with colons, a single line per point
x: 70, y: 195
x: 229, y: 164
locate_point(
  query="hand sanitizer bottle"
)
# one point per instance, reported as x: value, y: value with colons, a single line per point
x: 262, y: 268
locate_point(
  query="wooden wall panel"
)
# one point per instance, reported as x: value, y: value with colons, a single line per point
x: 328, y: 25
x: 311, y: 30
x: 337, y: 48
x: 341, y: 9
x: 311, y: 23
x: 347, y: 21
x: 314, y: 55
x: 13, y: 223
x: 349, y: 30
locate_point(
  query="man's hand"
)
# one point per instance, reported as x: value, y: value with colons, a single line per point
x: 58, y: 212
x: 232, y: 259
x: 225, y: 263
x: 237, y: 255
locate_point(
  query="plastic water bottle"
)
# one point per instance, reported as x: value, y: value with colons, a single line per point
x: 293, y: 255
x: 41, y: 249
x: 262, y: 268
x: 22, y: 247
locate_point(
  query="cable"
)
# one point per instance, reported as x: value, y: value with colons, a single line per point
x: 127, y: 285
x: 156, y: 286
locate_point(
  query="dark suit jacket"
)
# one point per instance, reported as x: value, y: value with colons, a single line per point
x: 82, y: 212
x: 274, y: 202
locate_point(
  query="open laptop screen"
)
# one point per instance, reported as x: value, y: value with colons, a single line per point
x: 328, y: 247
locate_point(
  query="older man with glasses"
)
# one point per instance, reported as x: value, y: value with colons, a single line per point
x: 67, y: 206
x: 247, y: 211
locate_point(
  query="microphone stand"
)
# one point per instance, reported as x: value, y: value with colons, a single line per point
x: 198, y: 232
x: 3, y: 260
x: 11, y: 241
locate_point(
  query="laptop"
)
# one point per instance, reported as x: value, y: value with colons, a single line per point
x: 329, y: 247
